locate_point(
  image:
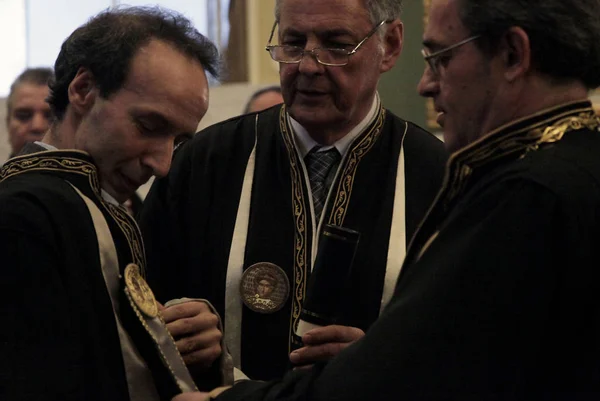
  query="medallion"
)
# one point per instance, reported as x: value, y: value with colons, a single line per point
x: 264, y: 287
x: 139, y: 291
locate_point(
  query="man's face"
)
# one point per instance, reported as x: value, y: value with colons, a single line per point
x: 465, y: 88
x: 28, y: 116
x: 322, y: 97
x: 264, y: 288
x: 130, y: 135
x: 266, y: 100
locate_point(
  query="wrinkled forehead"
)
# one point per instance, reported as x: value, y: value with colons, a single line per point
x: 322, y: 15
x: 29, y: 92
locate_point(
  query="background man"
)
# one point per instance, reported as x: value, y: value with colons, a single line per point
x: 128, y: 84
x: 28, y: 114
x: 264, y: 98
x: 498, y: 298
x: 257, y: 189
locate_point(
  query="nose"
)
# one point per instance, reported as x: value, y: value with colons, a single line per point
x: 309, y: 64
x: 428, y: 85
x: 39, y: 123
x: 158, y: 157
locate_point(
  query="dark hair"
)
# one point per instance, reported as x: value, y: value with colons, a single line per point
x: 564, y: 34
x: 255, y: 95
x: 107, y: 43
x: 37, y: 76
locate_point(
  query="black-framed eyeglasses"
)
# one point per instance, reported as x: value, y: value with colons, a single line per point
x: 288, y: 54
x: 433, y: 59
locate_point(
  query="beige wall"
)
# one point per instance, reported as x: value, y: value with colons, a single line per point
x: 260, y: 19
x: 4, y: 147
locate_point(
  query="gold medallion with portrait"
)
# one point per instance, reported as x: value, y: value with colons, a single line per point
x: 139, y: 291
x: 264, y: 287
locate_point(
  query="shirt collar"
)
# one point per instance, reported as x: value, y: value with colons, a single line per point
x: 105, y: 195
x: 305, y: 142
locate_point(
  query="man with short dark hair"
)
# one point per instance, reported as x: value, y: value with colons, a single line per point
x: 498, y: 297
x: 80, y: 322
x: 28, y: 114
x: 257, y: 190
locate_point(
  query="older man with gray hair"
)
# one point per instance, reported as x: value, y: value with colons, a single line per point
x: 256, y: 191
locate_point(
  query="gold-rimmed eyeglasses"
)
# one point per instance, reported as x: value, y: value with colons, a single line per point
x: 331, y: 57
x: 433, y: 59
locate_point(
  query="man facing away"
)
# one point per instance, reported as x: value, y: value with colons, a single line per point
x: 498, y: 297
x: 28, y: 114
x: 80, y: 322
x: 255, y: 191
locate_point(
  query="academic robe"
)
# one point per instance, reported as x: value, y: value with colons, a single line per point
x: 193, y: 221
x: 498, y: 298
x: 59, y: 337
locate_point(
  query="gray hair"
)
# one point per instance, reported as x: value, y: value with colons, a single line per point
x: 379, y: 10
x: 564, y: 34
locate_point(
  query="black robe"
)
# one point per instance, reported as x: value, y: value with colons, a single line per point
x: 59, y: 339
x: 499, y: 295
x: 188, y: 219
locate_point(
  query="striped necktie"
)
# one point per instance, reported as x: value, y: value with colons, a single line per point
x: 319, y: 165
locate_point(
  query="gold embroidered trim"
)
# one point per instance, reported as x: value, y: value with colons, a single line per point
x: 555, y: 132
x: 300, y: 218
x: 50, y: 162
x: 346, y: 181
x: 300, y: 209
x: 71, y: 165
x: 520, y: 142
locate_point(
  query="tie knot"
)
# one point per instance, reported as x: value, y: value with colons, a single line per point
x: 322, y: 160
x: 319, y: 166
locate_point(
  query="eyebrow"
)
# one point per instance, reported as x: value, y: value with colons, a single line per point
x: 431, y: 44
x: 164, y: 123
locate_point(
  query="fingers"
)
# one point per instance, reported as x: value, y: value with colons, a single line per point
x: 203, y: 357
x: 192, y: 397
x: 183, y: 310
x: 316, y: 353
x: 323, y: 343
x: 201, y: 349
x: 203, y: 339
x: 186, y: 319
x: 195, y: 329
x: 333, y: 333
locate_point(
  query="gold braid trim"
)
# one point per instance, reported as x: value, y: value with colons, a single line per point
x: 300, y: 234
x: 73, y: 165
x: 518, y: 143
x: 346, y: 182
x: 300, y: 209
x: 555, y: 132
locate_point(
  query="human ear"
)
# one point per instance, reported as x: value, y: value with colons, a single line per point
x: 392, y: 44
x: 515, y: 49
x: 82, y: 91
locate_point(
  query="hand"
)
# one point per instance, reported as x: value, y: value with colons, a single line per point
x: 195, y: 330
x: 196, y: 396
x: 323, y: 343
